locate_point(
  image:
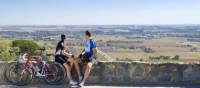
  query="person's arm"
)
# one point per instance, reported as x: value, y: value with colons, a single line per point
x: 94, y: 57
x: 94, y: 48
x: 66, y: 53
x: 83, y: 51
x: 94, y: 53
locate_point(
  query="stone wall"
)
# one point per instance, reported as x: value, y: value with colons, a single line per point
x: 138, y: 73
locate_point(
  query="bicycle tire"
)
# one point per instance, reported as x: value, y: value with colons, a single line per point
x: 51, y: 71
x: 25, y: 81
x: 7, y: 72
x: 60, y: 75
x: 12, y: 75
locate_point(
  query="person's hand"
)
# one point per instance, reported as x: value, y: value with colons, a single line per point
x: 72, y: 56
x: 94, y: 61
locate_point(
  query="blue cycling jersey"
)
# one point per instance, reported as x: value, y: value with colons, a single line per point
x: 89, y: 45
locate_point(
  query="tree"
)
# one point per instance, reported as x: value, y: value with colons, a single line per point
x: 194, y: 50
x: 5, y: 46
x: 176, y: 57
x: 26, y: 45
x: 148, y: 50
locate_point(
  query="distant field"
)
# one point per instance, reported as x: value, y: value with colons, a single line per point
x: 168, y: 46
x: 145, y: 56
x: 121, y: 42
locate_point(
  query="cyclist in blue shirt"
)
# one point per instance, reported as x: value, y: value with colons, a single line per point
x: 88, y: 55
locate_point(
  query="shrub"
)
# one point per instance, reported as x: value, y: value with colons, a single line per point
x: 194, y: 50
x: 5, y: 55
x: 26, y: 45
x: 148, y: 50
x: 176, y: 57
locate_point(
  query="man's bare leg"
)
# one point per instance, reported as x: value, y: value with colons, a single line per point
x: 87, y: 73
x: 71, y: 61
x: 77, y: 66
x: 68, y: 69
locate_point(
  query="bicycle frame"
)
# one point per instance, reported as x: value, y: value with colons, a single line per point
x: 29, y: 65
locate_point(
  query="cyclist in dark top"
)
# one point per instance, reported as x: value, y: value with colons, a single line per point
x: 88, y: 55
x: 64, y: 58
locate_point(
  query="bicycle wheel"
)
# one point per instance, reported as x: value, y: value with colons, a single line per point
x: 17, y: 75
x: 55, y: 74
x: 11, y: 73
x: 6, y: 73
x: 25, y: 77
x: 51, y: 72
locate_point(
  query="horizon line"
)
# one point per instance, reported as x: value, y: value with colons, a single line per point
x: 88, y: 24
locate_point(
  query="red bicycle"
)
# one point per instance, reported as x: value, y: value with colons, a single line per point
x: 22, y: 73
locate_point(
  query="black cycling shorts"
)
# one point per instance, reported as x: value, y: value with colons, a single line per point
x: 61, y: 59
x: 85, y: 58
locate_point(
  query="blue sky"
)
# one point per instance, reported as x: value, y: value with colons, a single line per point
x: 98, y: 12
